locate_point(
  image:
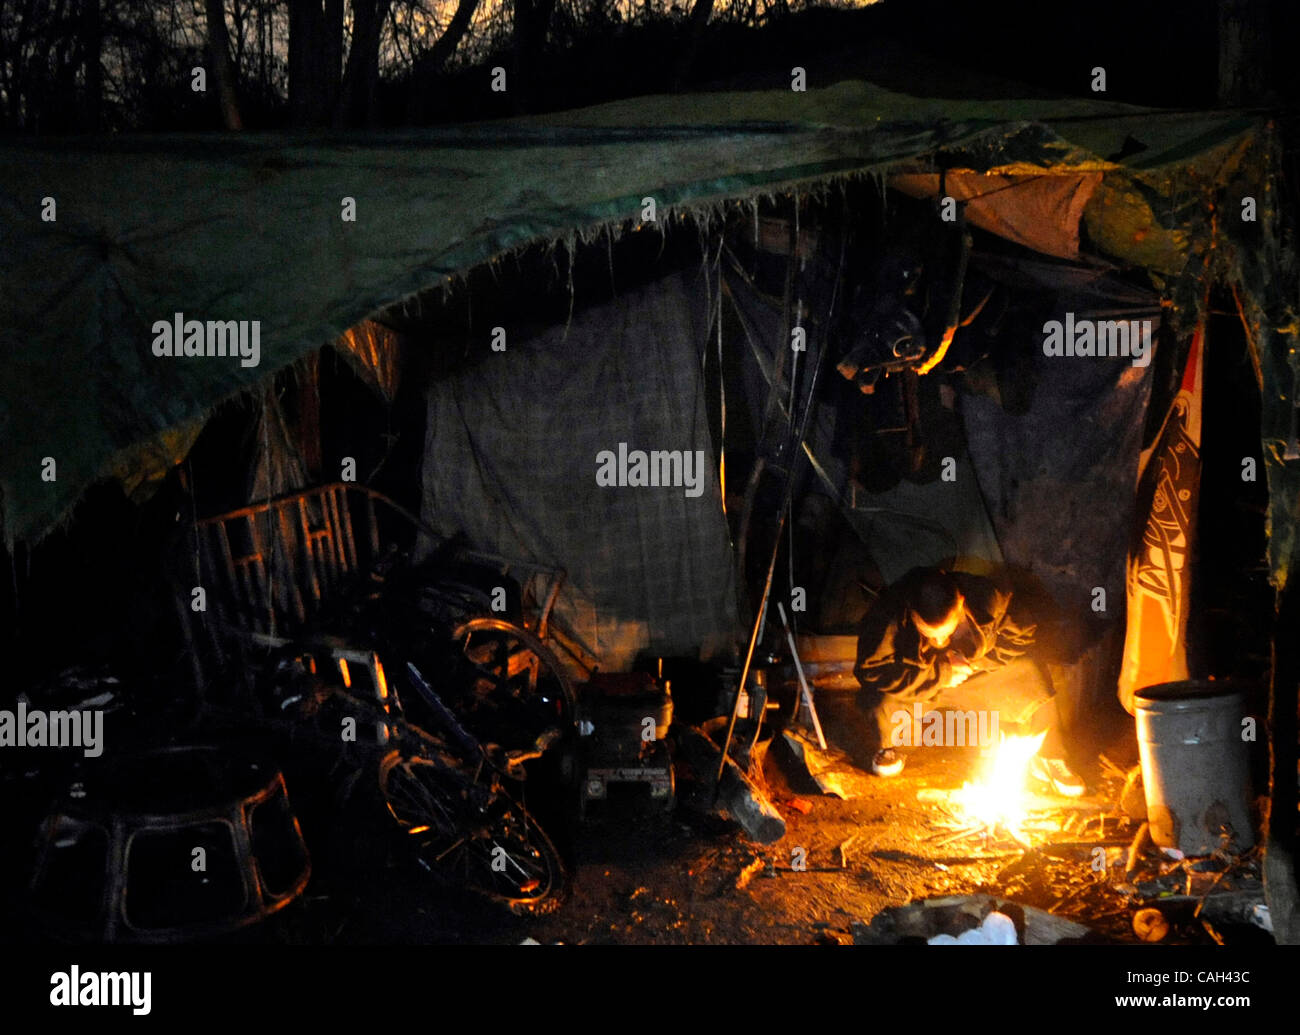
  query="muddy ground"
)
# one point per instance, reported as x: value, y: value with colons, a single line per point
x: 696, y: 879
x: 693, y: 878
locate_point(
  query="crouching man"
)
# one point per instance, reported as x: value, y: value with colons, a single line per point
x: 933, y: 630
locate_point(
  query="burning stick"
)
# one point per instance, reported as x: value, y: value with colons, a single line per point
x: 998, y: 798
x: 995, y: 805
x: 1112, y: 770
x: 964, y: 832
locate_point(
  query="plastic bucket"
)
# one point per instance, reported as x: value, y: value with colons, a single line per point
x: 1194, y: 765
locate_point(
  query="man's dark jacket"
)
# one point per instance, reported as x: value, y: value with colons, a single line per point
x: 894, y: 658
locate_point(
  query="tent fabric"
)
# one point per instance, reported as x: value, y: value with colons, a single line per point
x: 1038, y: 211
x: 101, y: 237
x: 897, y: 522
x: 909, y: 525
x: 511, y: 459
x: 1058, y: 476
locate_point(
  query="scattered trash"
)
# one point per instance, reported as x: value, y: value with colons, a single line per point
x: 1150, y: 925
x: 1141, y: 842
x: 749, y: 872
x: 738, y: 796
x: 1132, y: 798
x: 830, y: 771
x: 920, y: 922
x: 996, y: 929
x: 1260, y: 917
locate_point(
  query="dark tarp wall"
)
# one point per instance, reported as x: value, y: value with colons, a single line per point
x: 248, y: 227
x: 914, y: 522
x: 1058, y: 469
x: 511, y: 460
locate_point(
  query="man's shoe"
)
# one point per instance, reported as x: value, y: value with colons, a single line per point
x: 1059, y: 776
x: 887, y: 762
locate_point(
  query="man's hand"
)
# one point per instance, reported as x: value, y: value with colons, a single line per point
x: 961, y: 670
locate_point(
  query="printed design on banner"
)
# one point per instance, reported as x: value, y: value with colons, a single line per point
x: 1155, y: 649
x: 1166, y: 539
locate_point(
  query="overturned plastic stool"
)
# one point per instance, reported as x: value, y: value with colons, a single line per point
x: 175, y: 844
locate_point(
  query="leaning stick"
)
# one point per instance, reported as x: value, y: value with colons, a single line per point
x: 803, y: 681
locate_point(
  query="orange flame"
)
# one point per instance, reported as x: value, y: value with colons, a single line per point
x: 998, y: 798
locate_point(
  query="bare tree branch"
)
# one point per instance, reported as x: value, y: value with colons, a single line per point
x: 432, y: 61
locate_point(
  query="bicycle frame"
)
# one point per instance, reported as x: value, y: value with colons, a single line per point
x: 459, y: 804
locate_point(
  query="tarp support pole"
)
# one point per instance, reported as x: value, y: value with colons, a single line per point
x: 1280, y: 889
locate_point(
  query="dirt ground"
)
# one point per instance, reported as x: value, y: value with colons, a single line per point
x: 696, y: 879
x: 685, y: 889
x: 693, y: 878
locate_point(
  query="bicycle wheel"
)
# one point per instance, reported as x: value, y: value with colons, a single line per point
x: 494, y: 848
x: 512, y: 688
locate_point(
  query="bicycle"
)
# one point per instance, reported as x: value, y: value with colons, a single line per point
x: 498, y: 677
x: 446, y: 791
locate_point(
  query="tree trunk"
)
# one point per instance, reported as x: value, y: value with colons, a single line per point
x: 532, y: 24
x: 315, y: 60
x: 699, y: 20
x: 303, y: 18
x: 261, y: 47
x: 223, y: 72
x: 93, y: 36
x: 329, y: 67
x: 1245, y: 42
x: 431, y: 62
x: 356, y: 105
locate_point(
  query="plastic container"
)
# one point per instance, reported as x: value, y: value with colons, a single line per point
x: 1194, y: 765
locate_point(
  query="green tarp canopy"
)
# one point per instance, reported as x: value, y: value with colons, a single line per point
x: 249, y: 227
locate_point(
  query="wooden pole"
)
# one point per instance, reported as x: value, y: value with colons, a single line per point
x: 1280, y: 889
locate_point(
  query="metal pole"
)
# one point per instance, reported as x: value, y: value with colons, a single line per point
x: 749, y: 657
x: 795, y: 455
x: 803, y: 681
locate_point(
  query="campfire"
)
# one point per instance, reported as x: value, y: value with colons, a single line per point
x: 998, y: 806
x: 998, y: 797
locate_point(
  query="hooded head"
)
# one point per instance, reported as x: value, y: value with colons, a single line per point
x: 936, y: 608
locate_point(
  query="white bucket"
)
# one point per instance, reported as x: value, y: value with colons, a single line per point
x: 1194, y: 765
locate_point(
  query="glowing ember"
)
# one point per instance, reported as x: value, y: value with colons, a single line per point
x: 997, y: 798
